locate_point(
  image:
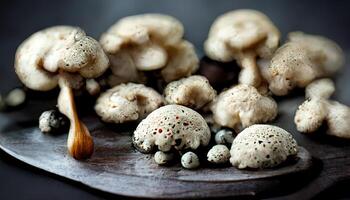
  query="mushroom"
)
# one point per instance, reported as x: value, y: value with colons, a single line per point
x: 171, y: 126
x: 127, y: 102
x: 163, y: 158
x: 194, y: 92
x: 300, y: 61
x: 242, y: 106
x: 218, y: 154
x: 262, y: 146
x: 148, y: 42
x: 190, y: 160
x: 243, y: 35
x: 318, y: 108
x: 64, y: 56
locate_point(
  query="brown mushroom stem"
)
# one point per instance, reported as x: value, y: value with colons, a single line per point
x: 80, y: 143
x: 249, y: 74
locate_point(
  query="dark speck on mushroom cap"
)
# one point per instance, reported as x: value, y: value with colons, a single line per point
x: 172, y: 126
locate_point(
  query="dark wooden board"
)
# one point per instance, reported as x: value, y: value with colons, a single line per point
x: 117, y: 168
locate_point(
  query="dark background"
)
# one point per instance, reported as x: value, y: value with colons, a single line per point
x: 19, y: 19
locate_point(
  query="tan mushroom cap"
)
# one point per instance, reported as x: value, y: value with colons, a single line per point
x: 290, y: 67
x: 127, y: 102
x: 243, y: 35
x: 240, y: 30
x: 149, y: 42
x: 318, y: 109
x: 171, y: 126
x: 194, y: 91
x: 301, y: 60
x: 262, y: 146
x: 323, y: 52
x: 60, y: 48
x: 242, y: 106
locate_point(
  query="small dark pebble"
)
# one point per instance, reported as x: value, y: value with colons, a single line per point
x: 52, y: 121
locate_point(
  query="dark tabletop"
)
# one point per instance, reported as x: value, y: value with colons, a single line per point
x: 19, y: 19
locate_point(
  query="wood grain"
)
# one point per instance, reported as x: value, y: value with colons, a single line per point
x: 117, y: 168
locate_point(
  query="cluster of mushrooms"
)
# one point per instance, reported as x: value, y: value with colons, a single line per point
x: 190, y: 115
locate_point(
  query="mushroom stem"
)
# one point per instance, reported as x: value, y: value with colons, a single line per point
x: 80, y: 143
x: 249, y: 74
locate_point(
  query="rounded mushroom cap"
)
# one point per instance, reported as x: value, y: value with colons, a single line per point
x: 322, y: 88
x: 139, y: 29
x: 310, y: 115
x: 218, y: 154
x: 149, y: 42
x: 323, y: 52
x: 40, y: 57
x: 239, y: 30
x: 242, y: 106
x: 194, y: 91
x: 289, y: 67
x: 183, y: 61
x: 127, y: 102
x: 338, y: 120
x: 262, y: 146
x: 171, y: 126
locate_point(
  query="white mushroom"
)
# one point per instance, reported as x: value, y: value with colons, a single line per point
x: 163, y: 158
x: 190, y: 160
x: 242, y: 106
x: 148, y: 42
x: 171, y: 126
x: 242, y: 35
x: 127, y: 102
x: 194, y: 92
x: 262, y: 146
x: 62, y: 55
x: 218, y: 154
x: 318, y: 108
x: 301, y: 60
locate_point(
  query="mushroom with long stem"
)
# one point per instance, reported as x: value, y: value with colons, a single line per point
x: 64, y: 56
x: 243, y: 35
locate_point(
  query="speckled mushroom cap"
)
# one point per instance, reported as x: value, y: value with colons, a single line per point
x: 290, y: 67
x: 323, y: 52
x: 300, y: 61
x: 242, y: 106
x: 171, y: 126
x: 262, y: 146
x: 149, y: 42
x: 318, y: 108
x: 60, y: 48
x: 240, y: 30
x: 194, y: 91
x: 127, y: 102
